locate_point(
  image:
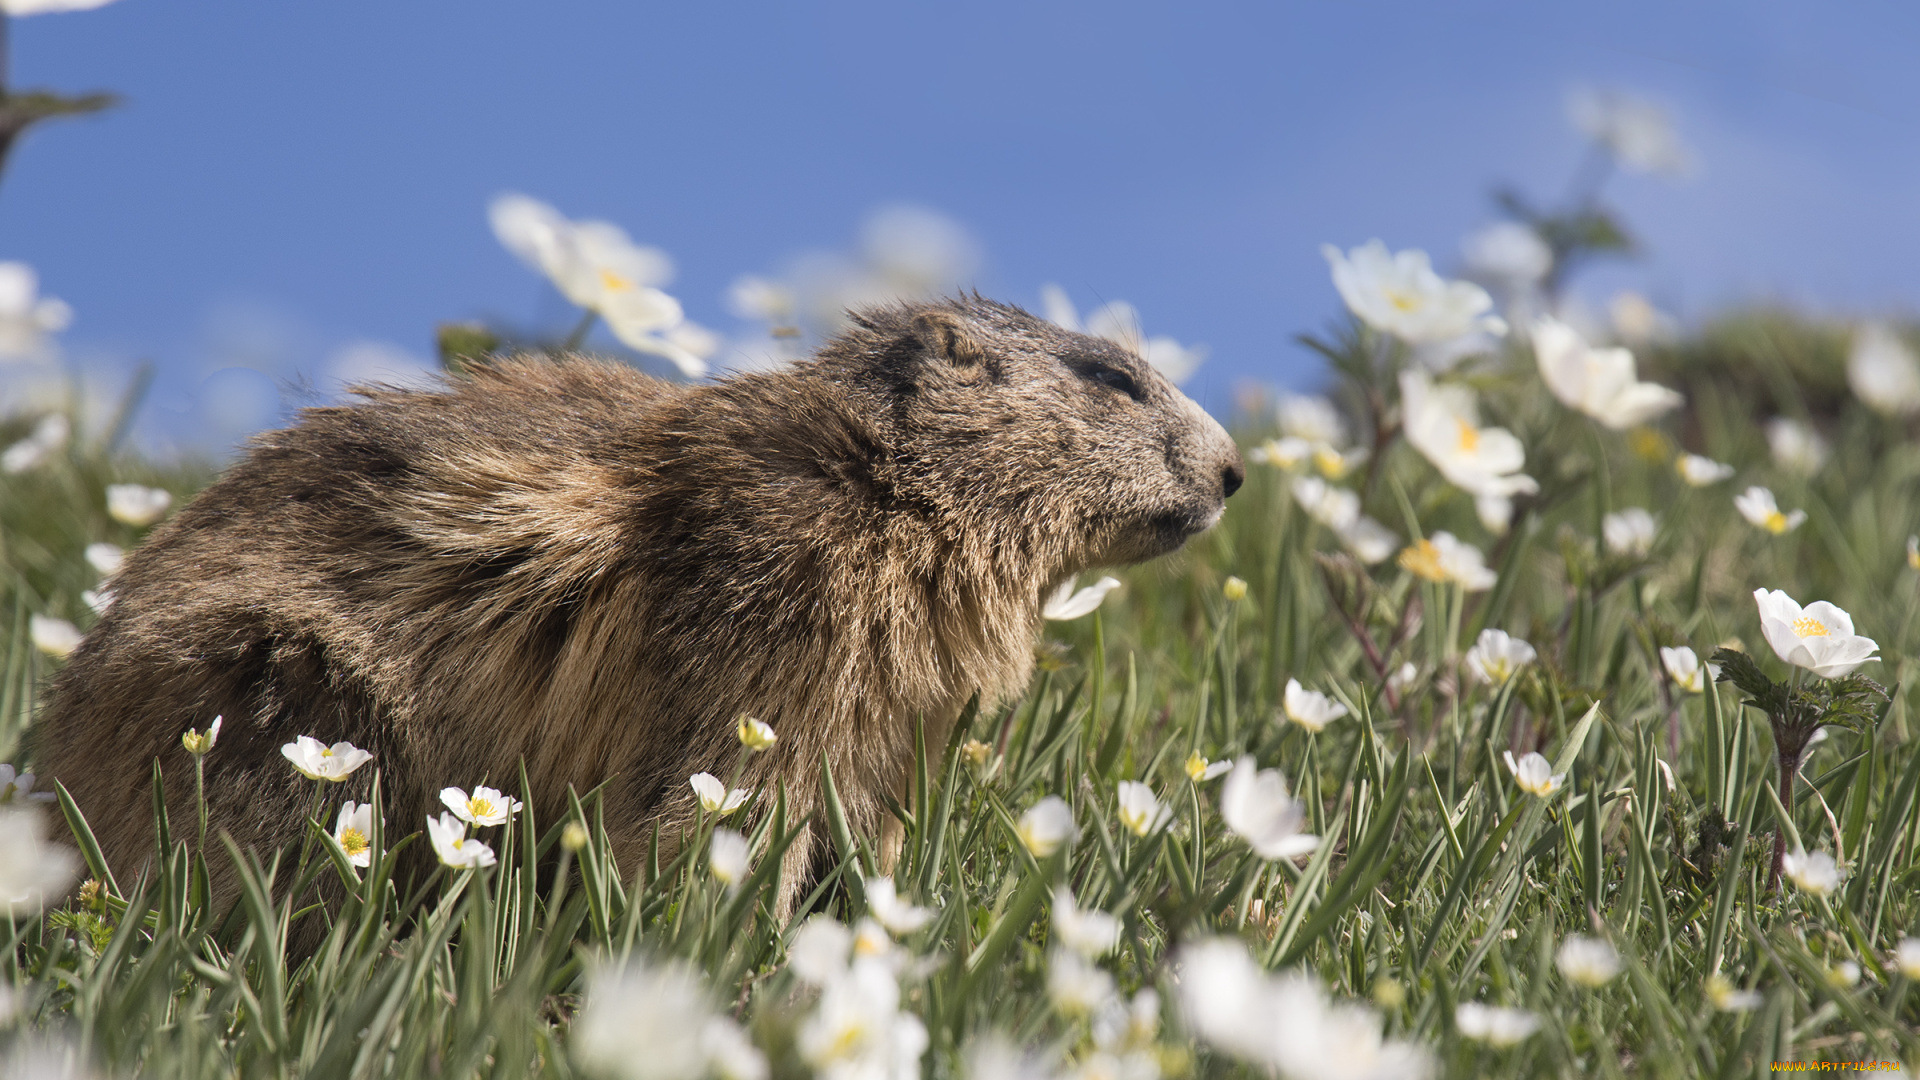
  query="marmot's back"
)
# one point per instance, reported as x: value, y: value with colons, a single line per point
x: 569, y: 563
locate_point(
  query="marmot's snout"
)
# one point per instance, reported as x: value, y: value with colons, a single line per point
x: 1233, y: 476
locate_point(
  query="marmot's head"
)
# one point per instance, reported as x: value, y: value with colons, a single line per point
x: 1070, y: 445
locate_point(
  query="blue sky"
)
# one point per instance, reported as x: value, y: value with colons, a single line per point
x: 289, y: 178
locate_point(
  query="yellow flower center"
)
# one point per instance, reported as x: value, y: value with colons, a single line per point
x: 613, y: 282
x: 1196, y: 766
x: 1331, y: 463
x: 480, y: 807
x: 1469, y: 436
x: 1423, y: 558
x: 1403, y: 301
x: 326, y: 751
x: 1808, y: 626
x: 353, y: 841
x: 1776, y: 523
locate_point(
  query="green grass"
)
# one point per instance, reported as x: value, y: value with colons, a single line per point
x: 1440, y: 882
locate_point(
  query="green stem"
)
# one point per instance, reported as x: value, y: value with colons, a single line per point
x: 580, y: 331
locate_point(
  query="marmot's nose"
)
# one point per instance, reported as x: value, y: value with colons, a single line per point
x: 1234, y: 476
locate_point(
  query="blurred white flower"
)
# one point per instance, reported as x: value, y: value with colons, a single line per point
x: 1119, y: 322
x: 55, y: 637
x: 1310, y: 709
x: 996, y: 1057
x: 1795, y: 446
x: 45, y: 440
x: 1337, y: 464
x: 727, y: 856
x: 1494, y: 1025
x: 1883, y: 371
x: 486, y: 806
x: 762, y: 300
x: 1701, y: 471
x: 42, y: 7
x: 18, y: 787
x: 1402, y: 678
x: 1906, y: 957
x: 1723, y: 996
x: 1398, y: 293
x: 135, y: 505
x: 1507, y: 252
x: 1443, y: 423
x: 1283, y: 453
x: 26, y: 318
x: 1371, y: 542
x: 97, y: 599
x: 1635, y: 131
x: 1312, y: 418
x: 33, y: 871
x: 1497, y: 656
x: 857, y: 1031
x: 1335, y: 507
x: 353, y: 831
x: 105, y: 558
x: 456, y: 850
x: 1140, y: 811
x: 1089, y: 933
x: 916, y: 250
x: 1443, y: 558
x: 1843, y: 974
x: 1587, y: 961
x: 714, y: 796
x: 316, y: 760
x: 1818, y: 637
x: 1686, y: 670
x: 755, y: 735
x: 1757, y: 505
x: 1814, y: 872
x: 1255, y: 806
x: 1045, y: 826
x: 1597, y: 381
x: 1065, y: 604
x: 1629, y: 532
x: 642, y: 1021
x: 1075, y: 985
x: 1533, y: 775
x: 1637, y: 322
x: 1285, y: 1022
x: 1234, y: 589
x: 1199, y: 769
x: 896, y: 915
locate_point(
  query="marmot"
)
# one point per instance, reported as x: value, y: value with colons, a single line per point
x: 565, y: 561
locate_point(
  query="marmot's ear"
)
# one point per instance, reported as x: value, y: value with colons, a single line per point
x: 946, y: 336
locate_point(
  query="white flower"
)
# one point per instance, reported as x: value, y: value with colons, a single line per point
x: 136, y: 505
x: 1818, y: 637
x: 1371, y: 542
x: 1140, y: 812
x: 1119, y: 322
x: 1598, y: 382
x: 857, y: 1031
x: 1443, y: 423
x: 1089, y: 933
x: 727, y: 856
x: 1403, y: 677
x: 1312, y: 419
x: 42, y: 7
x: 1497, y: 656
x: 1723, y: 996
x: 1075, y: 985
x: 1256, y: 807
x: 1335, y: 507
x: 55, y: 637
x: 26, y: 318
x: 448, y: 835
x: 1906, y: 957
x: 1283, y: 453
x: 820, y: 950
x: 1285, y: 1022
x: 714, y: 796
x: 1311, y: 709
x: 105, y: 558
x: 1534, y: 775
x: 1199, y: 769
x: 1883, y: 372
x: 317, y: 761
x: 486, y: 806
x: 1507, y: 252
x: 1045, y: 826
x: 1843, y: 974
x: 1444, y: 558
x: 18, y: 788
x: 99, y: 600
x: 1795, y: 446
x: 1635, y: 131
x: 1629, y: 532
x: 642, y: 1021
x: 755, y: 735
x: 32, y: 870
x: 199, y: 743
x: 762, y: 300
x: 353, y: 831
x: 1757, y: 505
x: 1637, y: 322
x: 1686, y: 670
x: 886, y: 907
x: 1816, y: 873
x: 1398, y: 293
x: 1587, y: 961
x: 1066, y: 604
x: 1701, y: 471
x: 44, y: 441
x: 1494, y: 1024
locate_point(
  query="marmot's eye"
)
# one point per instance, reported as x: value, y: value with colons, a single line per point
x: 1115, y: 378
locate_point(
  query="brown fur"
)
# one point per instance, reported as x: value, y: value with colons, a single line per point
x: 572, y: 563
